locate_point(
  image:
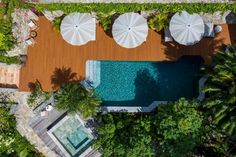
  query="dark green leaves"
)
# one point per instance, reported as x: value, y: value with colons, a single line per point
x: 73, y: 97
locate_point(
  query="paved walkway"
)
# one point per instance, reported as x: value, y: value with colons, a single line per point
x: 23, y: 115
x: 9, y: 75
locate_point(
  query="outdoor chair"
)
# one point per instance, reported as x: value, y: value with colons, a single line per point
x: 168, y: 37
x: 30, y: 42
x: 209, y: 30
x: 44, y: 113
x: 217, y: 29
x: 32, y: 25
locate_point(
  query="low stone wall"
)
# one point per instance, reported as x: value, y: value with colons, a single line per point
x: 149, y: 108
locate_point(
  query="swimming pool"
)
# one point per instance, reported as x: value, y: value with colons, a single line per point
x: 137, y: 83
x: 71, y: 136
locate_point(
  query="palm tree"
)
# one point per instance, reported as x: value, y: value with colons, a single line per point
x: 220, y: 90
x: 73, y: 97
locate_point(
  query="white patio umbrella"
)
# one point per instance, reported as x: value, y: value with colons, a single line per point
x: 186, y: 29
x: 78, y: 28
x: 130, y: 30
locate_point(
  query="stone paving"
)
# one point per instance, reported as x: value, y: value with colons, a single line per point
x: 23, y: 115
x: 20, y: 30
x: 129, y: 1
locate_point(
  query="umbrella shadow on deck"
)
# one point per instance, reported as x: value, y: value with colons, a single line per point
x: 232, y: 33
x: 205, y: 48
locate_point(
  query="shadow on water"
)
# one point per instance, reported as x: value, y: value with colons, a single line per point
x: 178, y: 79
x: 146, y: 89
x: 167, y: 82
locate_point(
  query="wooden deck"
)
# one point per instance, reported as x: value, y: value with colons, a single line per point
x: 51, y: 52
x: 40, y: 126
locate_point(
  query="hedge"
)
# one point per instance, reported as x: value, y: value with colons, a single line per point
x: 134, y: 7
x: 9, y: 60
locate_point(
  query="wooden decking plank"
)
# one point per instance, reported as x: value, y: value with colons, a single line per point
x: 51, y: 52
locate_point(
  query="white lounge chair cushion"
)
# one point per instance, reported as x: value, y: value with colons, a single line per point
x: 29, y: 42
x: 31, y: 24
x: 168, y: 37
x: 209, y: 30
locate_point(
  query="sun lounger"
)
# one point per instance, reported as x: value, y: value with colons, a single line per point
x: 168, y: 37
x: 30, y: 42
x: 32, y: 25
x: 209, y: 30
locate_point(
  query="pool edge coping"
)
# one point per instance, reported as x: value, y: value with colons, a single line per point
x: 64, y: 151
x: 154, y: 104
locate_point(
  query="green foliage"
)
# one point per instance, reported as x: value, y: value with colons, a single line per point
x: 127, y: 135
x: 105, y: 20
x: 9, y: 60
x: 73, y: 97
x: 57, y: 24
x: 220, y: 90
x: 6, y: 8
x: 37, y: 95
x: 10, y: 5
x: 6, y: 38
x: 11, y: 142
x: 178, y: 128
x: 7, y: 122
x: 105, y: 10
x: 158, y: 22
x: 119, y: 8
x: 215, y: 143
x: 175, y: 129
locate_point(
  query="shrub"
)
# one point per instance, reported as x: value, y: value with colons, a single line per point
x: 158, y: 22
x: 12, y: 144
x: 37, y: 94
x: 57, y: 24
x: 107, y: 8
x: 9, y: 60
x: 105, y: 21
x: 73, y: 97
x: 6, y: 38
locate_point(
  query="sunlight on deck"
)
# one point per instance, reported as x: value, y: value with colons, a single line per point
x: 51, y: 52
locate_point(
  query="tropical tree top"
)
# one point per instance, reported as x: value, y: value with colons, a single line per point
x: 127, y: 135
x: 220, y: 90
x: 179, y: 127
x: 221, y: 84
x: 73, y: 97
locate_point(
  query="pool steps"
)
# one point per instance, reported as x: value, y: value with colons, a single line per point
x: 93, y: 73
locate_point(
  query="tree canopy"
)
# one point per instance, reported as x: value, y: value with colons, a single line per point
x: 173, y: 130
x: 73, y: 97
x: 178, y: 126
x: 220, y: 90
x: 126, y: 135
x: 12, y: 144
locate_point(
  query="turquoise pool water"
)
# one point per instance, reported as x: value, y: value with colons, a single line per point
x: 72, y: 135
x: 128, y: 83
